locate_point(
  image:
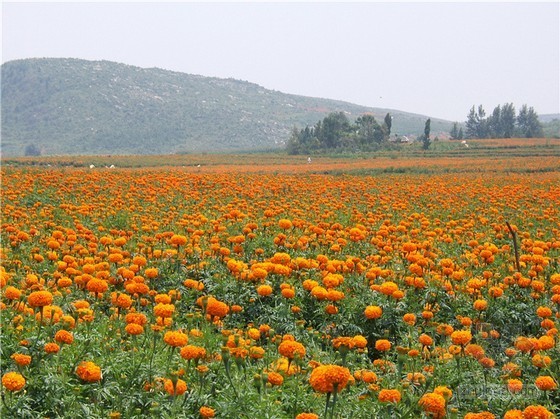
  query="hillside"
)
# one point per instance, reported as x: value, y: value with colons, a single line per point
x: 71, y: 106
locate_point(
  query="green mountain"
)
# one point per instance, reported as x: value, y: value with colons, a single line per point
x: 72, y: 106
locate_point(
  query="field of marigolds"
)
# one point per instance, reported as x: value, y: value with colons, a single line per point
x: 290, y: 290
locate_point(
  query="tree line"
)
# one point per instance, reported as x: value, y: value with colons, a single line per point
x: 501, y: 123
x: 336, y: 131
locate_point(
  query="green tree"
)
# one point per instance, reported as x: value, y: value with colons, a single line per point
x: 425, y: 137
x: 528, y: 123
x: 388, y: 123
x: 494, y: 123
x: 508, y: 120
x: 335, y: 125
x: 32, y: 150
x: 454, y: 133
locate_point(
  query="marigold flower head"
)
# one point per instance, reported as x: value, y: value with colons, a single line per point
x: 88, y: 371
x: 216, y: 308
x: 193, y: 352
x: 40, y: 299
x: 545, y: 383
x: 382, y: 345
x: 21, y: 359
x: 207, y: 412
x: 329, y: 378
x: 409, y: 318
x: 461, y: 337
x: 291, y: 349
x: 514, y: 385
x: 433, y: 404
x: 175, y: 338
x: 537, y: 412
x: 513, y: 414
x: 275, y: 378
x: 51, y: 348
x: 13, y: 381
x: 134, y: 329
x: 164, y: 310
x: 373, y: 312
x: 387, y: 395
x: 307, y: 416
x: 12, y: 293
x: 425, y: 340
x: 264, y: 290
x: 175, y: 390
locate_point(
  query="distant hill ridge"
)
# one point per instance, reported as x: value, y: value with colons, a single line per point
x: 74, y: 106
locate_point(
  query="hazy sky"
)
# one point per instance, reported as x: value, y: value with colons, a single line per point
x: 436, y: 59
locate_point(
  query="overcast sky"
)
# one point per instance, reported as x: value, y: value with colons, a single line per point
x: 436, y: 59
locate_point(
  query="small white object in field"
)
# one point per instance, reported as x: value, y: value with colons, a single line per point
x: 91, y: 166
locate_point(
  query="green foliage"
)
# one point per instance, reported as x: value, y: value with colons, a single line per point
x: 78, y: 107
x: 502, y: 123
x: 335, y: 132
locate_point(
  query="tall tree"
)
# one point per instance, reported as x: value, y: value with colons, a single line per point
x: 454, y: 133
x: 508, y: 120
x: 494, y: 123
x: 425, y: 137
x: 388, y: 123
x: 471, y: 126
x: 528, y: 123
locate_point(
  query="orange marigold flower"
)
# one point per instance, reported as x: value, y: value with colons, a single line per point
x: 291, y: 349
x: 88, y: 371
x: 433, y: 404
x: 175, y: 338
x: 175, y: 390
x: 388, y: 288
x: 373, y: 312
x: 461, y: 337
x: 207, y: 412
x: 544, y: 312
x: 545, y: 383
x: 193, y: 352
x: 389, y: 396
x: 164, y: 310
x: 178, y: 240
x: 264, y: 290
x: 359, y: 341
x: 216, y: 308
x: 97, y: 285
x: 275, y: 379
x: 537, y: 412
x: 134, y: 329
x: 409, y: 319
x: 138, y: 318
x: 13, y: 381
x: 514, y: 385
x: 329, y: 378
x: 40, y: 299
x: 21, y: 359
x: 51, y: 348
x: 151, y: 273
x: 307, y: 416
x: 476, y: 351
x: 12, y: 293
x: 425, y: 340
x: 514, y: 414
x: 382, y: 345
x: 480, y: 305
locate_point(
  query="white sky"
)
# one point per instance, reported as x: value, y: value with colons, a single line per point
x: 436, y: 59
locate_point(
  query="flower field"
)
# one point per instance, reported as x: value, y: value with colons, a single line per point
x: 289, y: 292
